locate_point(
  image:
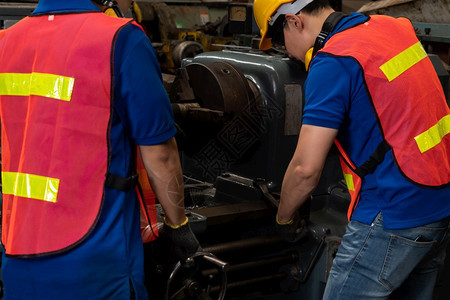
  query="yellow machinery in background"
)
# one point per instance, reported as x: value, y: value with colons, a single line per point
x: 183, y: 29
x: 178, y: 29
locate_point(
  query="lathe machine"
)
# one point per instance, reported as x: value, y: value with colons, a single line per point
x: 238, y: 116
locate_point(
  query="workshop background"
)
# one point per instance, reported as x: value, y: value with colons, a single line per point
x: 238, y: 114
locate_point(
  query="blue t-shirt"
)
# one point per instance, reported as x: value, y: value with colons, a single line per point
x: 103, y: 265
x: 336, y: 97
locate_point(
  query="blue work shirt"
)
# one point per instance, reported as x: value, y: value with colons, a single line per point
x: 111, y: 257
x: 336, y: 97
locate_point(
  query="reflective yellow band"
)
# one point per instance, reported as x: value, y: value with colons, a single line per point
x: 433, y: 136
x: 30, y: 186
x: 349, y: 180
x: 403, y: 61
x: 37, y: 84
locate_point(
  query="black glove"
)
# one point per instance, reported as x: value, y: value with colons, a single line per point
x: 184, y: 241
x: 293, y: 230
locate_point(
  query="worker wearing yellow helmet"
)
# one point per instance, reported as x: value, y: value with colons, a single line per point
x: 270, y: 16
x: 268, y: 13
x: 367, y: 83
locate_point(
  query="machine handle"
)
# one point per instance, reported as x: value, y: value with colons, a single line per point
x: 191, y: 282
x: 222, y: 265
x: 262, y: 184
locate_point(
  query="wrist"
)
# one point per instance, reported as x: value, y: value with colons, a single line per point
x: 176, y: 226
x: 284, y: 221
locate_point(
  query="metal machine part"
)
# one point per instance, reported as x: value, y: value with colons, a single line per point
x: 257, y: 109
x: 185, y: 49
x: 183, y: 29
x: 239, y: 115
x: 12, y: 12
x: 187, y: 273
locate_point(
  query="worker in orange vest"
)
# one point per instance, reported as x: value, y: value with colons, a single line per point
x: 78, y: 90
x: 373, y: 89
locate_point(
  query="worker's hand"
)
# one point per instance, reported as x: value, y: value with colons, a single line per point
x: 293, y: 230
x: 184, y: 241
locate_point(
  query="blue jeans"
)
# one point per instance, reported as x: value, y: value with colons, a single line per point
x: 373, y: 262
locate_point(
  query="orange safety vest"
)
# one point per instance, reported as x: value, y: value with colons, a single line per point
x: 411, y: 109
x: 55, y: 107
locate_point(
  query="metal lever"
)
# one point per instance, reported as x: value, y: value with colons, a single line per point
x: 223, y: 266
x: 191, y: 283
x: 262, y: 183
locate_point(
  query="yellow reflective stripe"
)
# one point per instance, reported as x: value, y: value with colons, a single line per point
x: 349, y: 180
x: 30, y: 186
x: 403, y: 61
x: 38, y: 84
x: 433, y: 136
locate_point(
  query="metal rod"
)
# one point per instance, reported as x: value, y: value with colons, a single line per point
x: 243, y: 283
x: 244, y: 244
x: 291, y: 258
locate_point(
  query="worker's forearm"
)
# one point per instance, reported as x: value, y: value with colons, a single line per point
x: 296, y: 189
x: 169, y: 189
x: 166, y: 179
x: 305, y: 168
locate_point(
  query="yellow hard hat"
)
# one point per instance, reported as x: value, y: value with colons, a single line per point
x: 266, y: 13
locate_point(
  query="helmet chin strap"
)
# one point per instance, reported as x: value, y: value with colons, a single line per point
x: 111, y: 4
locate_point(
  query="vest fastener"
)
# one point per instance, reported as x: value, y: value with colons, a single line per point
x: 120, y: 183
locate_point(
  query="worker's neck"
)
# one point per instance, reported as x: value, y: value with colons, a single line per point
x: 317, y: 20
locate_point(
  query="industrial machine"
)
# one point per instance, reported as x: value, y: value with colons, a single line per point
x: 180, y: 29
x: 239, y: 115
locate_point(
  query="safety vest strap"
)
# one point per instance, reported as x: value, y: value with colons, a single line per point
x: 375, y: 159
x: 328, y: 26
x: 120, y: 183
x: 353, y: 175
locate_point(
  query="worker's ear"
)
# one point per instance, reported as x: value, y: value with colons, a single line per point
x: 294, y: 21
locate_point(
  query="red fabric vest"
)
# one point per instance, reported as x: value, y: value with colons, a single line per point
x: 55, y: 115
x: 406, y: 96
x: 353, y: 181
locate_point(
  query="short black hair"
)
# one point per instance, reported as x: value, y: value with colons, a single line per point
x: 316, y: 6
